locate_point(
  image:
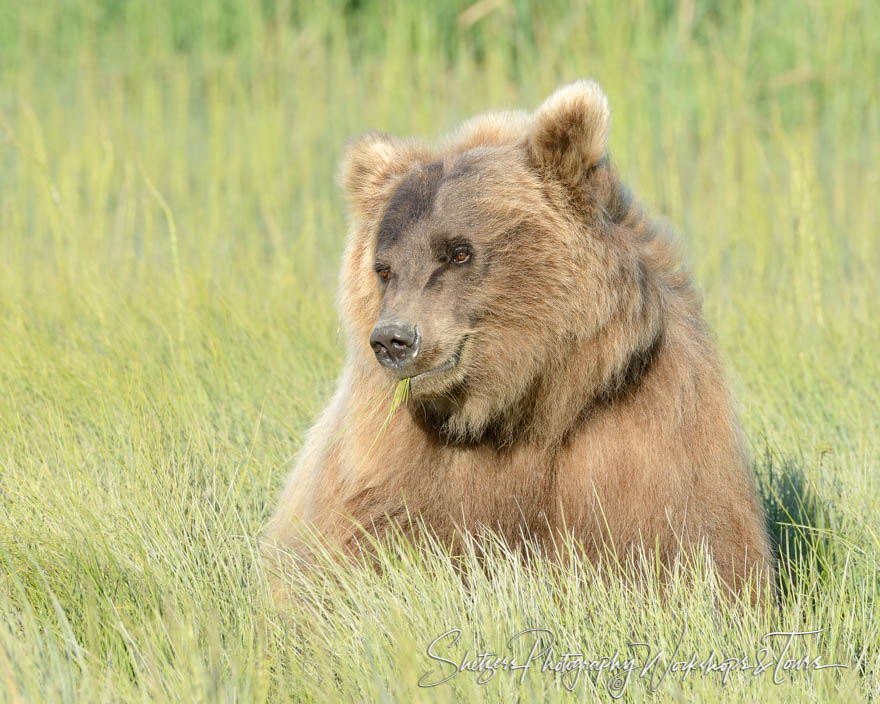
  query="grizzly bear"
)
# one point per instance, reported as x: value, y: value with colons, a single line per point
x: 562, y: 381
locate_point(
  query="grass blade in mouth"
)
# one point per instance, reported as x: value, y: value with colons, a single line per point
x: 401, y: 392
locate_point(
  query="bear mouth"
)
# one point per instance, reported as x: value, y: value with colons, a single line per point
x: 447, y: 366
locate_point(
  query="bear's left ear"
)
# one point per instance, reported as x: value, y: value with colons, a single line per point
x: 570, y: 131
x: 371, y: 165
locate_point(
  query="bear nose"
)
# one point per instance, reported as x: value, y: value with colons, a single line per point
x: 395, y: 344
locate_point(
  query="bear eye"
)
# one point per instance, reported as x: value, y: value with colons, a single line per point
x: 460, y: 255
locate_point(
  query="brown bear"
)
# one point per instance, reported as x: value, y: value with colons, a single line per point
x: 562, y: 380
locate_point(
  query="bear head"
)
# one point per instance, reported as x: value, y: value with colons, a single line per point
x: 477, y: 266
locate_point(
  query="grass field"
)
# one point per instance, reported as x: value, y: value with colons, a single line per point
x: 170, y: 233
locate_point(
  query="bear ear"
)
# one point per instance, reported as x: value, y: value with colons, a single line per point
x: 371, y: 164
x: 570, y: 131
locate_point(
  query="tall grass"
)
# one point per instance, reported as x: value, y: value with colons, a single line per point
x: 169, y: 241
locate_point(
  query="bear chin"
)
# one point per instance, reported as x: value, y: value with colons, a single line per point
x: 438, y: 415
x: 459, y: 418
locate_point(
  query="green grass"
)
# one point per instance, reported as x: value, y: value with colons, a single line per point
x: 170, y: 234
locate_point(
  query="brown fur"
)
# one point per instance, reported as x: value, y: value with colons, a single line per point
x: 588, y: 398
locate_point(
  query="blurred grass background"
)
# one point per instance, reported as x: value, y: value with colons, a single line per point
x: 170, y: 234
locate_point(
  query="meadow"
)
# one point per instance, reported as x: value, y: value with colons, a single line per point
x: 170, y: 236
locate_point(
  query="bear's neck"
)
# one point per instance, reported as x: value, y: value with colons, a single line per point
x: 601, y: 372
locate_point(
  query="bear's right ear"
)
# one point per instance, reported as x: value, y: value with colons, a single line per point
x: 371, y: 165
x: 570, y: 131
